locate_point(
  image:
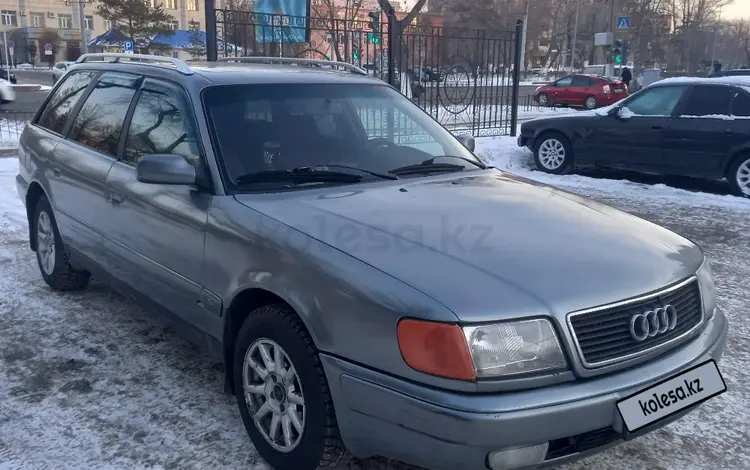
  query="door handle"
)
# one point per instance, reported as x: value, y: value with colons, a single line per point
x: 728, y: 131
x: 115, y: 198
x: 656, y: 128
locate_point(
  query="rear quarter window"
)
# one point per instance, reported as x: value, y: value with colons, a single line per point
x: 58, y: 108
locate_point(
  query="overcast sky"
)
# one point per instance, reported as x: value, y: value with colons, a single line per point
x: 738, y: 9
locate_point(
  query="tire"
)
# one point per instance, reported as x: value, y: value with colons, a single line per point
x: 319, y: 445
x: 51, y: 255
x: 543, y: 100
x: 590, y: 103
x: 553, y: 153
x: 738, y: 175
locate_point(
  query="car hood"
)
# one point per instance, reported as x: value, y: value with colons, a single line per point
x: 490, y: 245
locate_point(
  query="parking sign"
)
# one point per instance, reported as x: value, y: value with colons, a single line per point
x: 128, y: 46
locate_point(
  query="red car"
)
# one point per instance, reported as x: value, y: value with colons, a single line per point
x: 589, y: 91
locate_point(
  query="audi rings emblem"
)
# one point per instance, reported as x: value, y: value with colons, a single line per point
x: 653, y: 322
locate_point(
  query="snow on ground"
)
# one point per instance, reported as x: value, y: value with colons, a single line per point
x: 90, y: 381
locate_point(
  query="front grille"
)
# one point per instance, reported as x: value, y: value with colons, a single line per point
x: 581, y: 443
x: 603, y: 335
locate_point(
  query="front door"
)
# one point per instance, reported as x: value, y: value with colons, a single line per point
x: 558, y: 92
x: 155, y: 232
x: 636, y: 135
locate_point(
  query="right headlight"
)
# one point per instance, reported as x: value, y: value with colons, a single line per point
x: 707, y: 288
x: 510, y: 348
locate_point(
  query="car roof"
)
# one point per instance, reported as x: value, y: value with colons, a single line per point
x: 733, y: 80
x: 230, y: 73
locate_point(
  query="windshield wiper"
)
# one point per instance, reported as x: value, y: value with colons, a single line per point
x: 298, y: 176
x: 429, y: 166
x: 334, y: 165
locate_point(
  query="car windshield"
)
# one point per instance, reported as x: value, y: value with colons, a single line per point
x: 367, y: 130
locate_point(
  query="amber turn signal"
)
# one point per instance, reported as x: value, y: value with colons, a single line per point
x: 435, y: 348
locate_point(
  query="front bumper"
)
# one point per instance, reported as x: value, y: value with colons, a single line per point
x: 437, y: 429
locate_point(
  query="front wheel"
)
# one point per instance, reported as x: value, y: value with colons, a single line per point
x: 738, y: 176
x: 283, y: 394
x: 553, y: 153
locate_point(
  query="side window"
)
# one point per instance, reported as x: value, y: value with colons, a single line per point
x: 566, y: 81
x: 580, y: 80
x: 55, y: 114
x: 709, y: 101
x: 99, y: 122
x: 659, y: 101
x: 741, y: 104
x: 162, y: 123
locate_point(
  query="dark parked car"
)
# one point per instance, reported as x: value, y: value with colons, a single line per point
x: 732, y: 73
x: 370, y: 286
x: 10, y: 76
x: 588, y: 91
x: 696, y: 127
x: 431, y: 75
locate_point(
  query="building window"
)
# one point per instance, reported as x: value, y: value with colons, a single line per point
x: 64, y: 21
x: 89, y: 22
x: 108, y: 25
x: 37, y: 20
x: 9, y: 17
x: 194, y: 26
x: 192, y: 5
x: 171, y: 4
x: 174, y: 25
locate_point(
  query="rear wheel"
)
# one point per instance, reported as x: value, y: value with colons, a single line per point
x: 738, y: 175
x: 553, y: 153
x: 590, y: 103
x: 51, y: 255
x: 283, y: 394
x: 543, y: 99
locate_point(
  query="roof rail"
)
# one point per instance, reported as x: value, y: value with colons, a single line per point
x: 294, y: 61
x: 136, y: 58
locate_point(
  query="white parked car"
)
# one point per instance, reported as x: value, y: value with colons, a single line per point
x: 59, y: 70
x: 7, y: 94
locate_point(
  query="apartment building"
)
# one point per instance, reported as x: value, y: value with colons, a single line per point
x: 27, y: 20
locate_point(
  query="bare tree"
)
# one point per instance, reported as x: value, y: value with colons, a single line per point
x: 692, y: 18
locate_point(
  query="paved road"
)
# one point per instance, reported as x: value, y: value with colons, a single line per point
x: 28, y: 102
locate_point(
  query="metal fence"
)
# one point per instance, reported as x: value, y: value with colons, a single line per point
x: 462, y: 77
x: 12, y: 124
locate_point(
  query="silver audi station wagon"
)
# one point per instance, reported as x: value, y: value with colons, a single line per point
x: 371, y: 287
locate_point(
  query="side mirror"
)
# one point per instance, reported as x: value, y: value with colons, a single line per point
x: 615, y: 112
x: 165, y: 169
x: 467, y: 141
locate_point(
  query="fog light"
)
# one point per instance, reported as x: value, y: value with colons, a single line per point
x: 517, y: 458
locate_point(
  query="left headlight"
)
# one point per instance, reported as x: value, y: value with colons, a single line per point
x: 495, y: 350
x: 520, y: 347
x: 707, y: 287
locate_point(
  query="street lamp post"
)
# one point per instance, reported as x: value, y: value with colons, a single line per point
x: 79, y: 9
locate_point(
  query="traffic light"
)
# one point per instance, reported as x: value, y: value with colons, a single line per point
x: 625, y: 50
x: 617, y: 51
x: 374, y: 21
x: 355, y: 51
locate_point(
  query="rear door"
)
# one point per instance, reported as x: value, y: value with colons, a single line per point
x: 579, y: 90
x: 74, y: 174
x: 704, y: 133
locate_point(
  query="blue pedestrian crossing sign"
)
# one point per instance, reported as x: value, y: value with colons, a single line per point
x: 128, y: 46
x: 623, y: 23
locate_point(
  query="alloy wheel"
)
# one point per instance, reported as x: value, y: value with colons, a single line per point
x: 45, y: 241
x: 273, y: 392
x: 551, y: 154
x: 743, y: 177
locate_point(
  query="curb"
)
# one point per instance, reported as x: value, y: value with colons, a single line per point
x: 26, y: 88
x: 9, y: 153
